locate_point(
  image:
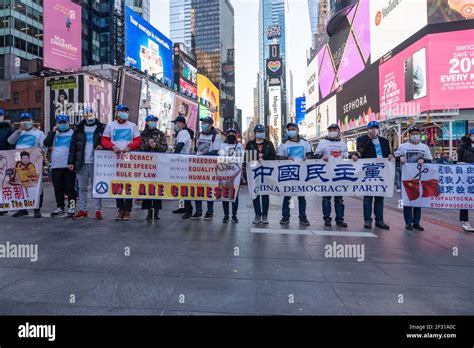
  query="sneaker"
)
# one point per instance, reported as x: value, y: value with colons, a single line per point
x: 20, y: 213
x: 80, y: 215
x: 368, y: 224
x: 418, y: 227
x: 382, y: 225
x: 257, y: 220
x: 285, y: 221
x: 208, y: 216
x: 119, y: 215
x: 196, y: 216
x: 98, y: 215
x: 225, y: 219
x: 70, y: 212
x: 3, y: 213
x: 186, y: 216
x: 304, y: 221
x: 37, y: 214
x: 58, y: 212
x: 127, y: 215
x: 265, y: 219
x: 398, y: 190
x: 327, y: 223
x: 467, y: 227
x: 178, y: 211
x: 156, y: 215
x: 235, y: 220
x: 149, y: 215
x: 409, y: 227
x: 341, y: 224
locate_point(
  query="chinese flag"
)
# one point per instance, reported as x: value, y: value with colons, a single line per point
x: 412, y: 188
x: 430, y: 188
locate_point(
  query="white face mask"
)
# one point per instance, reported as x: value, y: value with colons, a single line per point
x: 333, y: 135
x: 415, y: 138
x: 472, y: 138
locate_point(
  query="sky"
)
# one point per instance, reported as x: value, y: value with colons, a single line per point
x: 246, y: 45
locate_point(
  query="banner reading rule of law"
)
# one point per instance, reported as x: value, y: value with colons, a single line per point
x: 21, y: 173
x: 438, y: 186
x: 366, y: 177
x: 148, y: 175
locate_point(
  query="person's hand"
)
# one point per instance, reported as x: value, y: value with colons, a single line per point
x: 403, y: 160
x: 355, y: 158
x: 152, y: 143
x: 421, y: 161
x: 127, y: 149
x: 71, y: 167
x: 116, y: 149
x: 260, y: 156
x: 55, y: 128
x: 325, y: 158
x: 390, y: 157
x: 260, y: 160
x: 22, y: 127
x: 99, y: 147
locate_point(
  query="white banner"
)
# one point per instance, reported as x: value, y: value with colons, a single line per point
x: 21, y: 173
x: 148, y: 175
x: 366, y: 177
x: 438, y: 186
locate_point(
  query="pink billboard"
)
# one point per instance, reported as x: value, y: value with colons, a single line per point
x: 62, y: 35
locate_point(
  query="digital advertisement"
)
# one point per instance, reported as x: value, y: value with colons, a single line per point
x: 274, y: 107
x: 440, y: 11
x: 208, y: 92
x: 160, y: 103
x: 312, y: 80
x: 188, y: 109
x: 99, y: 96
x: 300, y: 107
x: 130, y: 94
x: 326, y: 114
x: 146, y: 48
x: 185, y: 69
x: 62, y: 32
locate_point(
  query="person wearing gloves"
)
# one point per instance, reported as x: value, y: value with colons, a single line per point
x: 121, y: 136
x: 208, y: 144
x: 372, y: 145
x: 85, y: 140
x: 64, y: 179
x: 413, y: 151
x: 294, y: 148
x: 262, y: 150
x: 27, y: 136
x: 153, y: 140
x: 465, y: 154
x: 331, y: 148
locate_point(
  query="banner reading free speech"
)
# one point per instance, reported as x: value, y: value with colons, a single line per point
x: 366, y: 177
x: 147, y: 175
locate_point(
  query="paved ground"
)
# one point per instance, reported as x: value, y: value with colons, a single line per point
x: 206, y: 267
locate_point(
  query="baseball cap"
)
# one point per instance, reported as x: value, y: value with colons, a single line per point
x: 259, y: 128
x: 291, y: 124
x: 373, y: 124
x: 230, y: 130
x: 88, y: 110
x: 471, y: 131
x: 333, y: 125
x: 414, y: 129
x: 179, y: 119
x: 151, y: 118
x: 62, y: 118
x: 25, y: 115
x: 207, y: 119
x: 121, y: 107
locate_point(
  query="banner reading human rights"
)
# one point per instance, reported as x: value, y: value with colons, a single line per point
x: 438, y: 186
x: 21, y: 173
x: 147, y: 175
x: 366, y: 177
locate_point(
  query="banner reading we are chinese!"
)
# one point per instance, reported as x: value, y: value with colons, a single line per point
x: 147, y: 175
x: 366, y: 177
x: 439, y: 186
x: 21, y: 173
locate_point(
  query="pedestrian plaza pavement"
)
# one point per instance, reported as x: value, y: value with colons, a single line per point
x: 185, y: 267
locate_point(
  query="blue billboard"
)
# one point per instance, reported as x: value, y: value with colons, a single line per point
x: 146, y: 49
x: 300, y: 104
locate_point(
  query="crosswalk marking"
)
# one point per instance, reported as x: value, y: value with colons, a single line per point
x: 314, y: 232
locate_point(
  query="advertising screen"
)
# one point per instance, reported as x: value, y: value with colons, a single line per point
x: 130, y: 94
x: 146, y: 48
x: 358, y: 101
x: 394, y: 21
x: 310, y: 123
x: 312, y: 92
x: 326, y: 114
x: 98, y: 95
x: 274, y: 67
x: 188, y: 109
x: 208, y: 92
x: 185, y: 69
x: 347, y: 52
x: 62, y: 35
x: 440, y: 11
x: 300, y: 105
x: 274, y: 106
x: 160, y: 103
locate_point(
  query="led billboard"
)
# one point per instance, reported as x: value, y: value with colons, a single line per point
x: 185, y: 69
x: 208, y: 93
x: 326, y: 114
x: 312, y: 92
x: 440, y: 11
x: 157, y: 101
x: 98, y: 95
x: 274, y: 107
x: 188, y: 109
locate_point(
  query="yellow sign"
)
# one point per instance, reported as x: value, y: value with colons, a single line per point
x: 208, y: 91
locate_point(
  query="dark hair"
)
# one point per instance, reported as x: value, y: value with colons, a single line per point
x: 62, y: 93
x: 186, y: 106
x: 24, y: 153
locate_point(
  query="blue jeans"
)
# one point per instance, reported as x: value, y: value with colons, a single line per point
x: 301, y: 207
x: 338, y: 207
x: 398, y: 178
x: 261, y: 209
x: 412, y: 215
x: 235, y: 207
x: 210, y: 207
x: 378, y: 208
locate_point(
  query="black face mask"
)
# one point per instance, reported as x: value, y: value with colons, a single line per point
x: 231, y: 138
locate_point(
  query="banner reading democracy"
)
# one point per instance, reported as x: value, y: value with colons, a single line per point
x: 147, y: 175
x: 366, y: 177
x: 21, y: 172
x: 439, y: 186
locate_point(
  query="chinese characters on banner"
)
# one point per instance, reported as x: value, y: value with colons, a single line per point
x: 20, y: 179
x: 166, y: 176
x: 366, y: 177
x: 438, y: 186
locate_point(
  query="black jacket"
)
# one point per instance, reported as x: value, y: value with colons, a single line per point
x: 6, y: 130
x: 366, y: 147
x: 465, y: 150
x: 78, y: 143
x: 268, y: 149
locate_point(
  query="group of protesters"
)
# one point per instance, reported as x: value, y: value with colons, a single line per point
x: 72, y: 163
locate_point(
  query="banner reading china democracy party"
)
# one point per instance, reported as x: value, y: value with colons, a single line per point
x: 20, y: 179
x: 438, y: 186
x: 366, y: 177
x: 148, y: 175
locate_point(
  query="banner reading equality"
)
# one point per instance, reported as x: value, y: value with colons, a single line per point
x: 366, y: 177
x: 438, y: 186
x: 21, y: 172
x: 148, y: 175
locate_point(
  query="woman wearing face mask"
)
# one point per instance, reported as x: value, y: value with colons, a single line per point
x: 466, y: 155
x: 261, y: 149
x: 153, y: 140
x: 413, y: 151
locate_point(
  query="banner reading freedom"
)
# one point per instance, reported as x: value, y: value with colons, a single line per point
x: 439, y: 186
x: 148, y: 175
x: 366, y: 177
x: 21, y: 172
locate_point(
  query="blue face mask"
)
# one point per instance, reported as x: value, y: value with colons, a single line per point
x: 204, y: 127
x: 152, y: 124
x: 176, y: 128
x: 90, y: 121
x: 28, y: 124
x: 123, y: 115
x: 292, y: 133
x: 260, y: 135
x: 62, y: 127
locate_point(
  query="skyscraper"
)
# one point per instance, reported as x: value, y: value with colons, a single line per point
x: 313, y: 8
x: 180, y: 21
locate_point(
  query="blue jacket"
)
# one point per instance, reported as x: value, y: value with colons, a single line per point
x: 6, y: 130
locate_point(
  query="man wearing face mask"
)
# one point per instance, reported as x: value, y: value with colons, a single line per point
x: 294, y: 148
x: 466, y: 154
x: 374, y: 146
x: 25, y: 137
x: 330, y: 148
x: 413, y: 151
x: 85, y: 140
x: 64, y: 179
x: 261, y: 149
x: 121, y: 136
x: 208, y: 144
